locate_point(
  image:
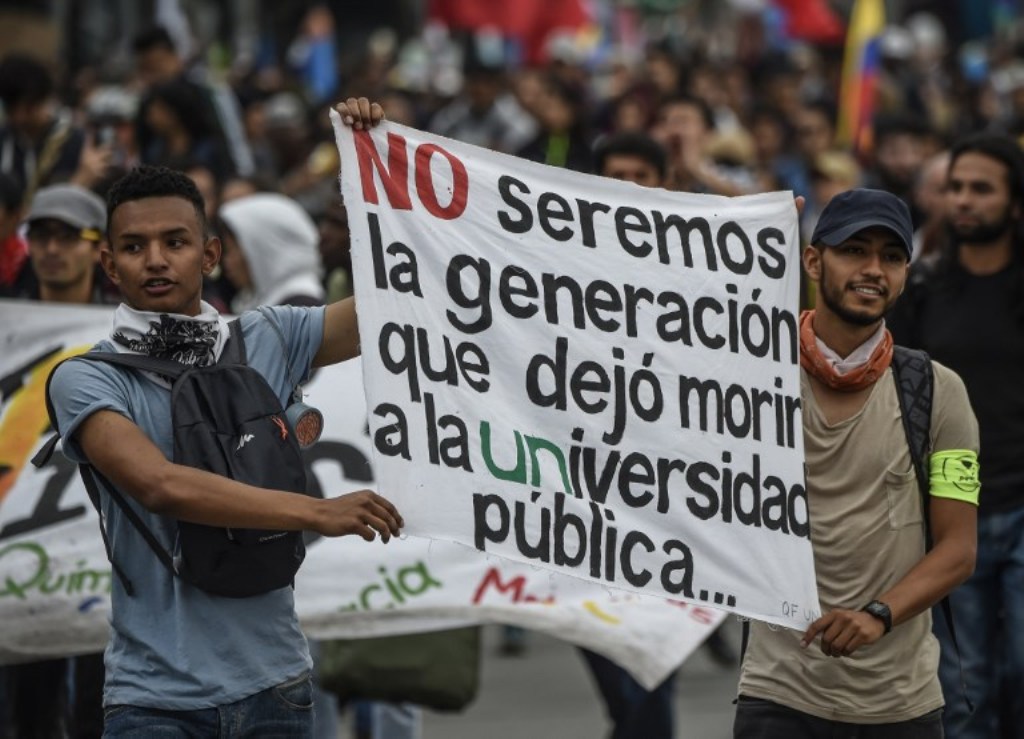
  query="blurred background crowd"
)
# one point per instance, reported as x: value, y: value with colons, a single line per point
x: 719, y: 96
x: 741, y: 95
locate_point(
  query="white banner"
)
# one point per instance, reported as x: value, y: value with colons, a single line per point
x: 582, y: 374
x: 55, y: 578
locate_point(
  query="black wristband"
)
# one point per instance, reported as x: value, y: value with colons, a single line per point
x: 881, y: 611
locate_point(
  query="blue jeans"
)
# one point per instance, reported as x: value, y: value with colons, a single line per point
x: 286, y: 710
x: 760, y: 719
x: 988, y: 612
x: 635, y: 712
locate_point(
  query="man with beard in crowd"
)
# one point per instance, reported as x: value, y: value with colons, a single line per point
x: 965, y: 307
x: 866, y: 667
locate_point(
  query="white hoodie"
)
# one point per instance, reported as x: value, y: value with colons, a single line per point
x: 280, y: 244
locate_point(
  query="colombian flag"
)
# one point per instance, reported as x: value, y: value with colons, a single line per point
x: 860, y: 74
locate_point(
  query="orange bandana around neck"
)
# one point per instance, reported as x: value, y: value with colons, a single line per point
x: 817, y: 365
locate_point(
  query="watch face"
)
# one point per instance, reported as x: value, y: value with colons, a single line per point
x: 880, y: 611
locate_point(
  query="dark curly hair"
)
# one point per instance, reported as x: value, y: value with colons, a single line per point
x: 634, y: 144
x: 156, y: 182
x: 23, y: 79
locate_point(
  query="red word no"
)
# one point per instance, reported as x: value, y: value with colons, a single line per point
x: 395, y: 175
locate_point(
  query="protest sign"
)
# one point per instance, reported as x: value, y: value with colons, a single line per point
x: 582, y: 374
x: 55, y: 579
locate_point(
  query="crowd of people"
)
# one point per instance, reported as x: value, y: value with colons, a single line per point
x: 728, y: 106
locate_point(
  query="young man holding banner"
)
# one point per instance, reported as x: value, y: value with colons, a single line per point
x: 868, y: 665
x: 181, y: 660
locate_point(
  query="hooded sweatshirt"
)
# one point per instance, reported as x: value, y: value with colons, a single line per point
x: 280, y: 244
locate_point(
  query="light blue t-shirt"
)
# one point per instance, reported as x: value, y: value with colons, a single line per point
x: 172, y: 645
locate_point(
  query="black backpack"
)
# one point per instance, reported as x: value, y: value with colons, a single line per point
x: 227, y: 420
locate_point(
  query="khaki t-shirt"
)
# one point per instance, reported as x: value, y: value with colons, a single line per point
x: 867, y: 531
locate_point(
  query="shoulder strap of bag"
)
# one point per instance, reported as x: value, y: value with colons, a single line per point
x: 234, y: 349
x: 90, y: 473
x: 166, y: 367
x: 915, y: 384
x: 234, y: 352
x: 912, y: 372
x: 89, y: 476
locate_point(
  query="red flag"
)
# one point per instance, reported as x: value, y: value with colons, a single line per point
x: 528, y: 21
x: 812, y: 20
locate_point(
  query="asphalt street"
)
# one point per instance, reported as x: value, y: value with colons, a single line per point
x: 547, y: 693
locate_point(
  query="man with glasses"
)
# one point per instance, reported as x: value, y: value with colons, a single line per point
x: 65, y: 226
x: 64, y: 230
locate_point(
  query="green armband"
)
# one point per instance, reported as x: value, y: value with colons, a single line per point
x: 954, y: 474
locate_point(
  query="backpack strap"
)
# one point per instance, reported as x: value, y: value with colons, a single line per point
x: 915, y: 385
x: 89, y: 476
x: 234, y: 349
x: 86, y: 471
x: 234, y: 353
x: 912, y: 372
x: 42, y: 456
x: 90, y: 473
x: 166, y: 367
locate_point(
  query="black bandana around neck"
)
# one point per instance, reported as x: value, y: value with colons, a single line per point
x: 190, y: 340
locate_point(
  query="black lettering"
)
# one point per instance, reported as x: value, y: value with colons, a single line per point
x: 745, y: 264
x: 598, y: 487
x: 749, y: 515
x: 674, y: 325
x: 557, y: 397
x: 542, y: 549
x: 547, y: 214
x: 602, y: 295
x: 587, y: 210
x: 580, y: 383
x: 775, y: 264
x: 507, y: 292
x: 665, y: 468
x: 629, y: 541
x: 551, y: 285
x: 473, y: 365
x: 406, y: 361
x: 684, y: 230
x: 636, y: 469
x: 404, y: 276
x: 774, y: 508
x: 798, y: 498
x: 480, y: 300
x: 564, y: 521
x: 701, y: 306
x: 695, y: 480
x: 483, y: 529
x: 631, y: 220
x: 683, y: 586
x: 633, y: 297
x: 392, y: 440
x: 525, y: 221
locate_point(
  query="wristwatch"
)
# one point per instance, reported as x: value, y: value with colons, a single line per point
x: 879, y: 610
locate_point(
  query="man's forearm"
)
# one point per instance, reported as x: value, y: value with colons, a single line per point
x: 197, y: 496
x: 942, y: 569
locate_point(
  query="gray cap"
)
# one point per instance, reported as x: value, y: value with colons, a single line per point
x: 69, y: 204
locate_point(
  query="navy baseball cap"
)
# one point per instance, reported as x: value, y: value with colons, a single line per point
x: 854, y: 210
